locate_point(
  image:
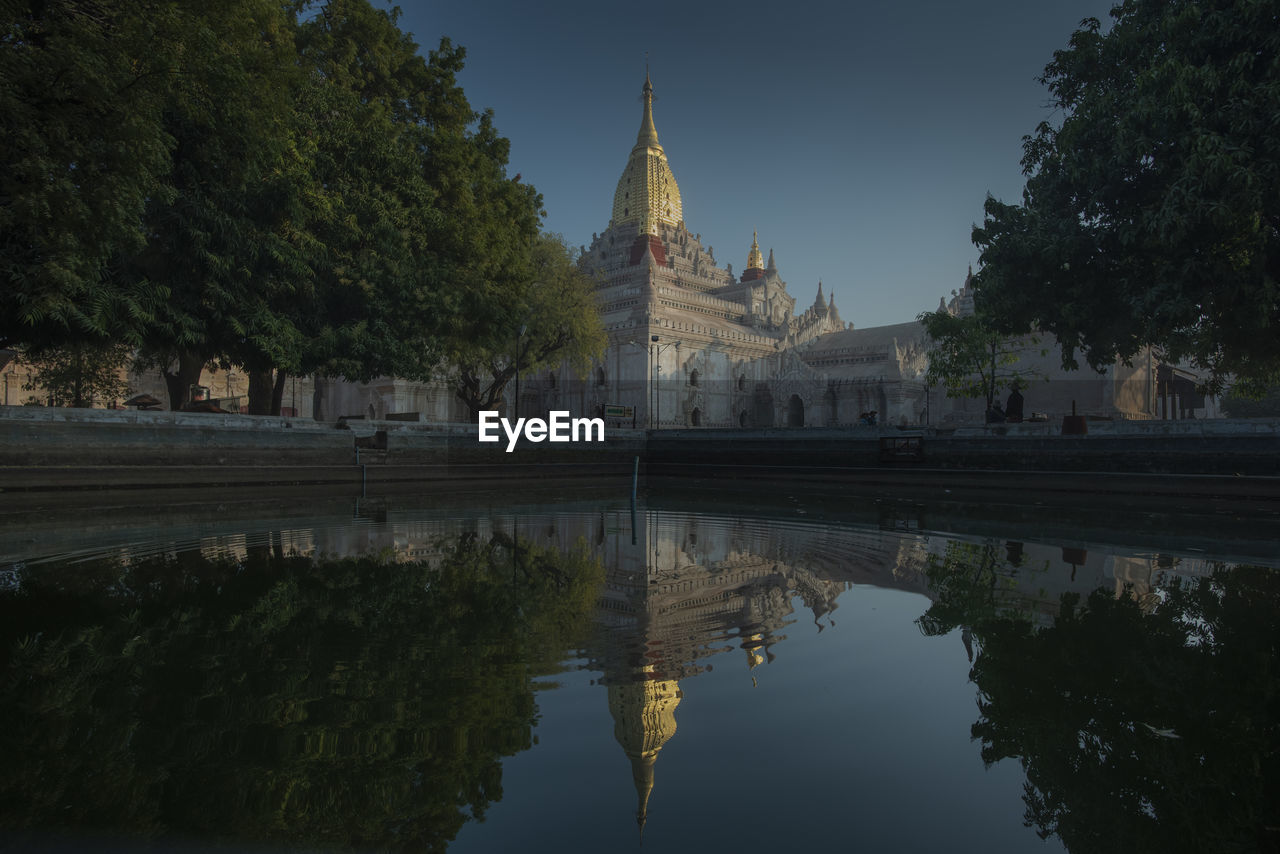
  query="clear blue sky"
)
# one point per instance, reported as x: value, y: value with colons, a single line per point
x: 860, y: 140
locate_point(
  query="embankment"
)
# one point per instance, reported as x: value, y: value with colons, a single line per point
x: 51, y: 449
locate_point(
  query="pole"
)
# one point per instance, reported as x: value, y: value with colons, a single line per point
x: 515, y: 409
x: 657, y: 391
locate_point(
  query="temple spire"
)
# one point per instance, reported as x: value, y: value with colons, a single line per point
x: 755, y: 259
x: 647, y: 195
x: 648, y: 136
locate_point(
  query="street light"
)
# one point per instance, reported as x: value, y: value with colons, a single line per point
x: 516, y: 406
x: 657, y: 349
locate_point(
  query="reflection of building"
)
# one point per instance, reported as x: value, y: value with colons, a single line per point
x: 686, y: 591
x: 694, y: 586
x: 644, y: 718
x: 1030, y: 579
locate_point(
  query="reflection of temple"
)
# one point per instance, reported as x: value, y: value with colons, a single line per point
x: 693, y: 586
x: 684, y: 587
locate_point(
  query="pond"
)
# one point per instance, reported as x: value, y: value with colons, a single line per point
x: 711, y: 670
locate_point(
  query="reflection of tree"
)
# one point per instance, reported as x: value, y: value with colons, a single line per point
x: 971, y: 582
x: 354, y: 702
x: 1137, y: 732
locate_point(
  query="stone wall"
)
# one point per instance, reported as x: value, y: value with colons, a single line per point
x: 35, y: 441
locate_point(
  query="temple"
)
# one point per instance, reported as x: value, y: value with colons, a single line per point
x: 693, y: 344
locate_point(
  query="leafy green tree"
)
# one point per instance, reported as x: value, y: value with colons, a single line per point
x: 85, y: 149
x: 417, y: 236
x: 79, y: 375
x: 1151, y: 214
x: 969, y: 357
x: 217, y: 244
x: 560, y: 320
x: 278, y: 700
x: 1252, y: 405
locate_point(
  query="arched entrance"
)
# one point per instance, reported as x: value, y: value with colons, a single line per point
x: 795, y: 411
x: 762, y: 406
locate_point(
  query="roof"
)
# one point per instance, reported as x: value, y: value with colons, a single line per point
x: 871, y: 338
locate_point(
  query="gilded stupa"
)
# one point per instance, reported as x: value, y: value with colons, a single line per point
x: 647, y: 193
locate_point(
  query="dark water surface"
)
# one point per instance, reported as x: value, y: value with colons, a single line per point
x: 515, y: 671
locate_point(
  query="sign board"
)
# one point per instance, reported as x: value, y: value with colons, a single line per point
x: 613, y: 410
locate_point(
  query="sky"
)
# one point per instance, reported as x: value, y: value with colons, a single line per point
x: 860, y: 140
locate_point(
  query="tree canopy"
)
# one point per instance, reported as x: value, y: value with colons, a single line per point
x: 288, y: 187
x: 551, y: 318
x: 1151, y: 214
x: 82, y: 94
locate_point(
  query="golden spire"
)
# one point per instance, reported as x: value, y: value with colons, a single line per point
x: 755, y: 260
x: 648, y: 136
x: 647, y: 193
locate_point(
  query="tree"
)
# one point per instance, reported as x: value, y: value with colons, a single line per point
x: 970, y: 358
x: 79, y: 375
x: 218, y: 244
x: 85, y: 149
x: 1151, y: 214
x: 416, y: 234
x: 1266, y: 405
x: 556, y: 319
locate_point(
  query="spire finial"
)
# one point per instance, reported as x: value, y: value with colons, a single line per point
x: 648, y: 136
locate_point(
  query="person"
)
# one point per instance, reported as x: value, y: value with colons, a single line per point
x: 995, y: 415
x: 1013, y: 407
x: 868, y: 418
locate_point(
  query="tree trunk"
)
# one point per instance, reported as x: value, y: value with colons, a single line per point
x: 319, y: 386
x: 277, y: 394
x: 190, y: 366
x: 261, y: 388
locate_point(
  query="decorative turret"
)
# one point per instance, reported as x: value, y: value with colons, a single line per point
x: 755, y: 261
x: 820, y: 304
x: 647, y: 193
x: 771, y: 269
x: 832, y: 311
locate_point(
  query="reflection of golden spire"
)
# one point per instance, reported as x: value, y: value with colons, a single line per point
x: 643, y: 720
x: 752, y: 645
x: 755, y: 260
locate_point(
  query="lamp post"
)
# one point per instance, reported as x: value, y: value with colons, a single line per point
x: 515, y: 409
x: 657, y: 349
